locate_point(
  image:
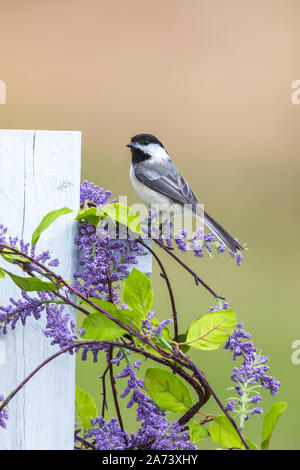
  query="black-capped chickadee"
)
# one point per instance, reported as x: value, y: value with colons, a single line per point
x: 158, y: 183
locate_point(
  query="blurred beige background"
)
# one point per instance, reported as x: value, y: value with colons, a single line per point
x: 212, y: 79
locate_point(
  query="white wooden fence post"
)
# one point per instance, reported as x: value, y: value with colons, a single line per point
x: 39, y: 172
x: 144, y: 260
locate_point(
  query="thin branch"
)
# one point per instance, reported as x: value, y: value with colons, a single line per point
x: 103, y: 393
x: 203, y: 388
x: 109, y: 281
x: 187, y: 268
x: 61, y: 282
x: 165, y: 276
x: 147, y: 354
x: 114, y: 389
x: 203, y: 379
x: 83, y: 441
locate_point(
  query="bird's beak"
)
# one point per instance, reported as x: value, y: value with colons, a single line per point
x: 131, y: 145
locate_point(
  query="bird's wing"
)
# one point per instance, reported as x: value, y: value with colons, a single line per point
x: 168, y: 182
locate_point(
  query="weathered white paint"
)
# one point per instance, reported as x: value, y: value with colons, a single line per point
x: 144, y: 260
x: 39, y: 172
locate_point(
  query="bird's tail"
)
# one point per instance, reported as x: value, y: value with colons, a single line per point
x: 222, y: 234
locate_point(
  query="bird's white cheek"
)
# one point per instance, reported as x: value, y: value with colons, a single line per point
x: 157, y: 153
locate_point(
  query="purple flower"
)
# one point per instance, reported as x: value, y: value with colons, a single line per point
x: 90, y: 192
x: 195, y: 242
x: 98, y: 251
x: 20, y: 310
x: 239, y: 258
x: 251, y: 375
x: 180, y: 240
x: 155, y: 432
x: 3, y: 415
x: 217, y: 307
x: 256, y: 399
x: 92, y: 281
x: 107, y: 436
x: 221, y: 248
x: 253, y: 368
x: 161, y: 326
x: 147, y: 324
x: 59, y: 326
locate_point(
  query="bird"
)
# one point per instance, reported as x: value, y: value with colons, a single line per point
x: 157, y: 181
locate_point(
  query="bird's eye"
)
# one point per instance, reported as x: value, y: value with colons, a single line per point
x: 146, y: 142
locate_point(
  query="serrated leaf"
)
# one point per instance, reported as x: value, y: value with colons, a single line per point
x: 197, y: 432
x: 213, y: 330
x: 86, y: 408
x: 167, y: 390
x: 124, y: 215
x: 47, y: 221
x: 270, y: 421
x: 222, y: 432
x: 91, y: 215
x: 31, y: 284
x: 138, y: 294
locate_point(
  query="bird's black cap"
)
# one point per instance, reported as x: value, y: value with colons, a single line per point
x: 144, y: 139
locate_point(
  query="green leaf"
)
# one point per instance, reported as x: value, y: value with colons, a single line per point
x: 270, y: 421
x: 197, y: 432
x: 127, y: 317
x: 252, y: 445
x: 11, y: 257
x: 101, y: 328
x: 130, y: 318
x: 167, y: 391
x: 31, y: 284
x: 86, y: 408
x: 222, y: 432
x: 138, y: 294
x: 54, y: 301
x: 182, y: 339
x: 47, y: 221
x: 213, y: 329
x: 2, y: 274
x: 91, y: 215
x: 124, y: 215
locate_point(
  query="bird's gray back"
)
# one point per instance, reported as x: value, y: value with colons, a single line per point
x: 164, y: 178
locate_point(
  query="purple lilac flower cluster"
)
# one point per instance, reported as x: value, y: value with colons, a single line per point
x: 250, y: 377
x: 29, y: 306
x: 148, y: 326
x: 60, y: 327
x: 3, y: 232
x: 28, y: 249
x: 155, y: 432
x: 97, y: 251
x: 3, y: 414
x: 218, y: 307
x: 199, y: 242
